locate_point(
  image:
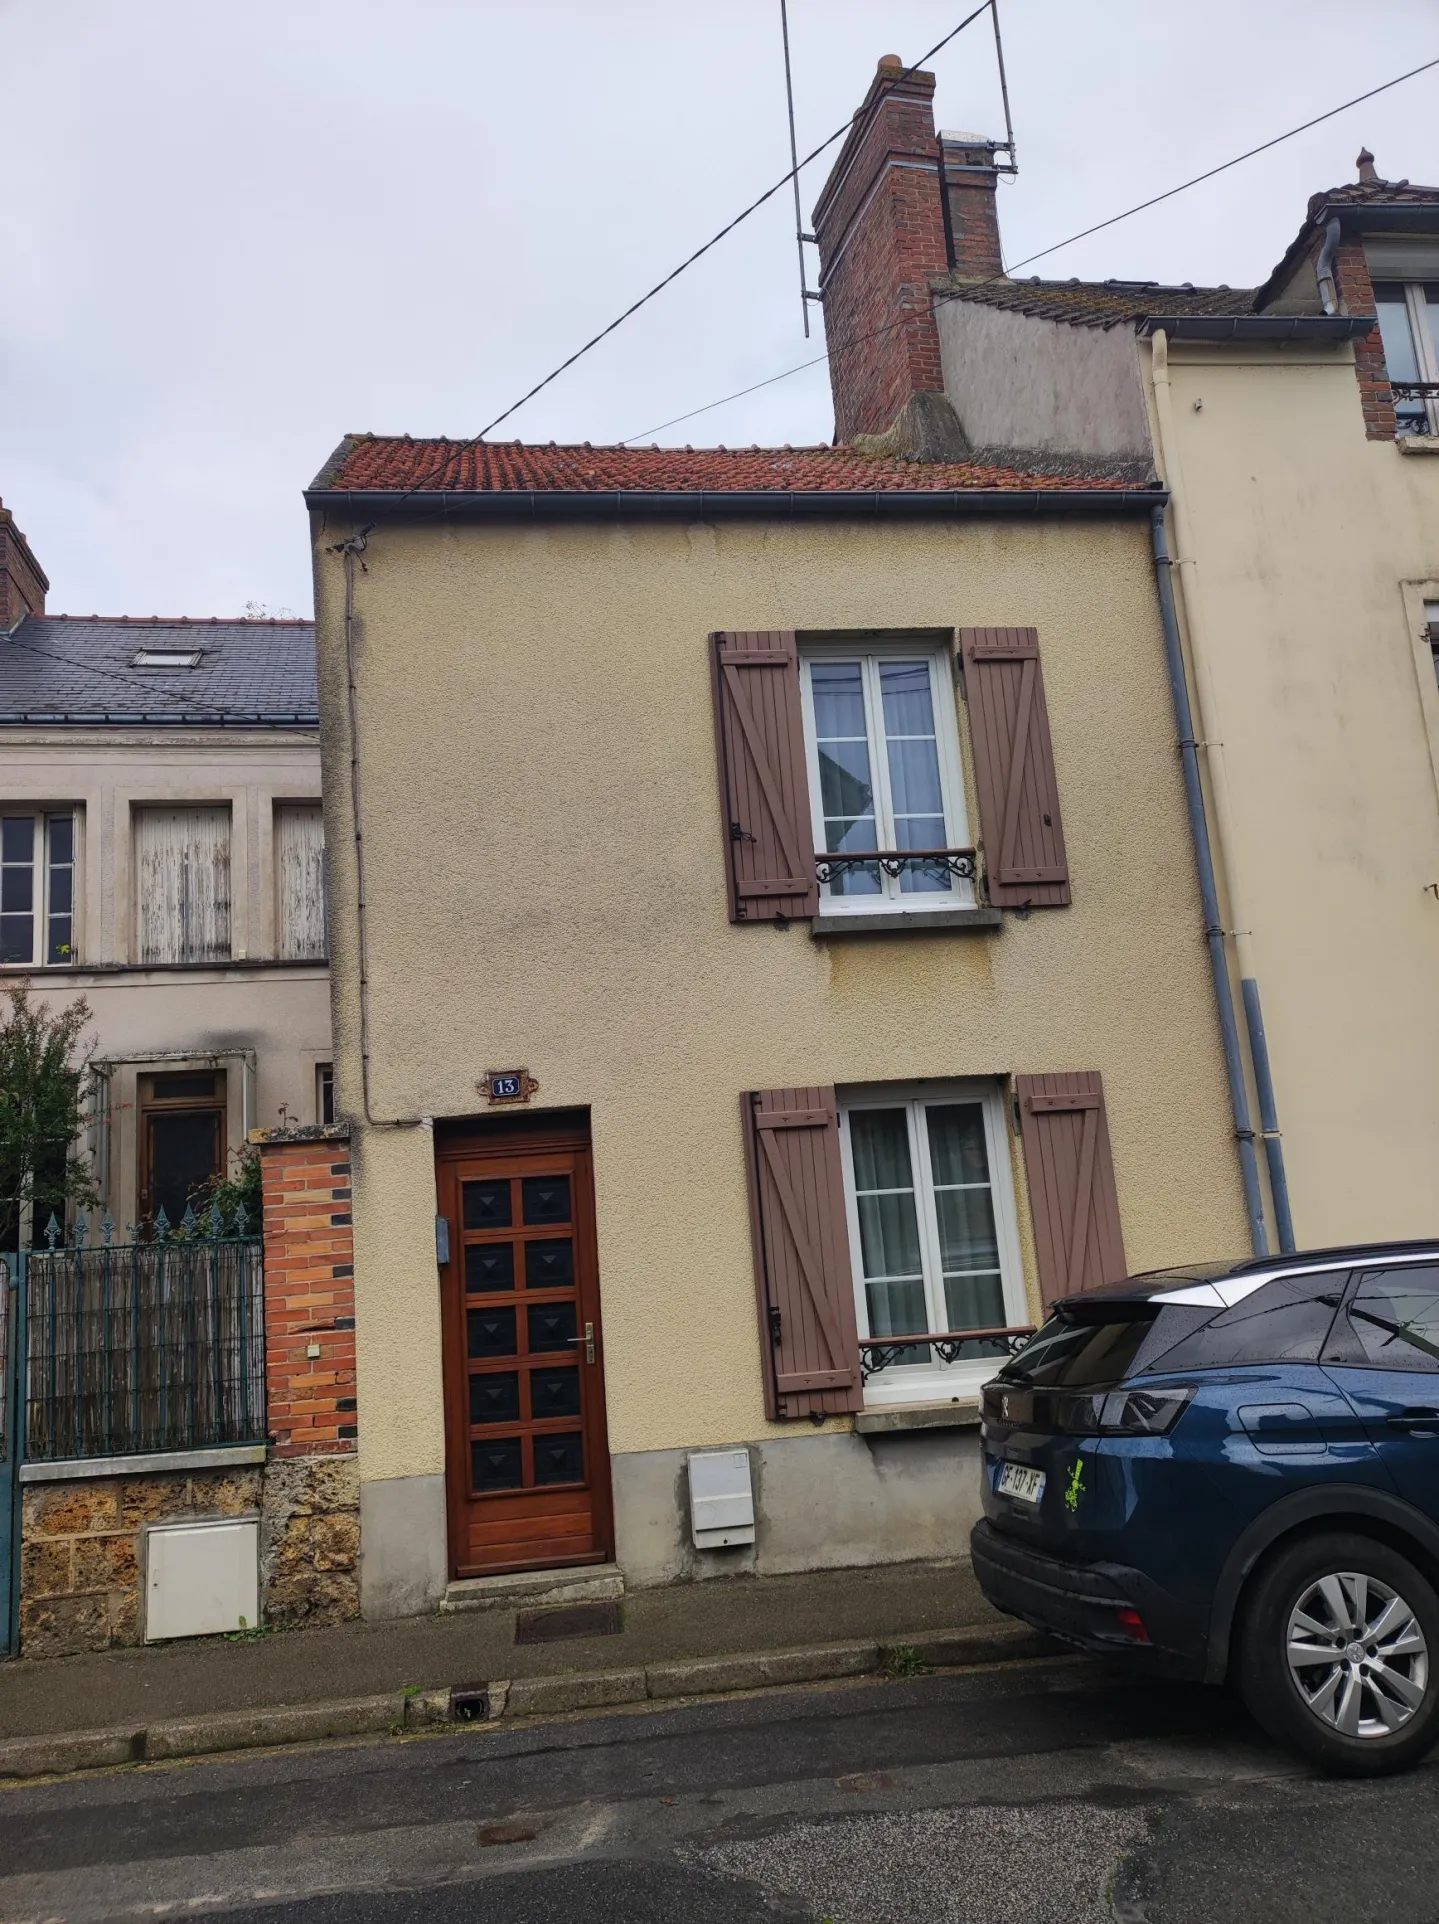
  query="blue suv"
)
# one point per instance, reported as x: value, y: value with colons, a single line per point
x: 1232, y: 1470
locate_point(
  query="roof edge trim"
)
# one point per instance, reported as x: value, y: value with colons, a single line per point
x: 1331, y: 329
x: 534, y: 504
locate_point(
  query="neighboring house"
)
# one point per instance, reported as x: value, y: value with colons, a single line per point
x: 1296, y: 428
x: 766, y: 934
x: 162, y: 854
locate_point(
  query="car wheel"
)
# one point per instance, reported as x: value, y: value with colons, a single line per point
x: 1339, y: 1654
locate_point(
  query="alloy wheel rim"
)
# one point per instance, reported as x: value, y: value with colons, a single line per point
x: 1357, y: 1655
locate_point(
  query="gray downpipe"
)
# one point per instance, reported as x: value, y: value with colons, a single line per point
x: 1208, y: 890
x: 1268, y: 1113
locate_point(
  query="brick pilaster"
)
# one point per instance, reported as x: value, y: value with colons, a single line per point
x: 309, y: 1291
x: 1356, y: 296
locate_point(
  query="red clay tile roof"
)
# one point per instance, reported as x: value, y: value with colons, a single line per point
x: 1097, y: 303
x: 395, y: 464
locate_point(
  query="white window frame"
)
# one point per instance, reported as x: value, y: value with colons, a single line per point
x: 1422, y: 332
x: 869, y: 651
x: 43, y: 814
x: 937, y: 1382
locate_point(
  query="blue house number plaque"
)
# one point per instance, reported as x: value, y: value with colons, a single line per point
x: 508, y: 1085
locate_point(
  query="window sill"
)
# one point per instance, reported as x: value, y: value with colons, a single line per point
x: 1417, y: 443
x: 917, y: 1416
x: 906, y: 921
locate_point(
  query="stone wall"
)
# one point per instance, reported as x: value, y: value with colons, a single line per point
x: 310, y: 1541
x: 82, y: 1554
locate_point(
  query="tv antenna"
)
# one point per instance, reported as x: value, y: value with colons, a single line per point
x: 801, y: 238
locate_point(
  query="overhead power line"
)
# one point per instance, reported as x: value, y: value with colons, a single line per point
x: 857, y: 340
x: 690, y: 259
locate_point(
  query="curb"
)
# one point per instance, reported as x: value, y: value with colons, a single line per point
x: 507, y: 1700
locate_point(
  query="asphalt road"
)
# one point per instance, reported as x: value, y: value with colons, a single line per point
x: 1048, y: 1793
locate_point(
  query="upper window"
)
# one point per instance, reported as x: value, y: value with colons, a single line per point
x: 884, y: 776
x: 37, y: 888
x: 932, y: 1235
x: 1409, y: 328
x: 182, y: 884
x: 300, y: 881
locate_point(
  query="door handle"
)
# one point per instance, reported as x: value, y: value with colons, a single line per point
x: 1418, y: 1422
x: 588, y: 1339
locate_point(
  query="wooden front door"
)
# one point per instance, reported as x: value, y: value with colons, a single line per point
x: 528, y: 1466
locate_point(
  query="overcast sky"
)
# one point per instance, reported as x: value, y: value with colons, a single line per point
x: 231, y: 233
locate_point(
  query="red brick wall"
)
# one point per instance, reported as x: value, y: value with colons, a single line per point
x: 22, y: 582
x: 1356, y: 296
x: 309, y: 1293
x: 880, y: 227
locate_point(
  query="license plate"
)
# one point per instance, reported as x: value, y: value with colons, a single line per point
x: 1015, y: 1480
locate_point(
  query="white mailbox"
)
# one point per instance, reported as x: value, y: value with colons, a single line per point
x: 202, y: 1578
x: 721, y: 1501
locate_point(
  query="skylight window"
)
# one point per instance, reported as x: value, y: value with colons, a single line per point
x: 166, y: 658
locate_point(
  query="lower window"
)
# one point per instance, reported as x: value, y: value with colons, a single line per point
x: 933, y: 1235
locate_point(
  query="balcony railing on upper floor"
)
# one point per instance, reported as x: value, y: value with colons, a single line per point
x: 1416, y: 404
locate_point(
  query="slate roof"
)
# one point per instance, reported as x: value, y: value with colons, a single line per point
x: 395, y: 464
x: 78, y: 668
x: 1098, y: 303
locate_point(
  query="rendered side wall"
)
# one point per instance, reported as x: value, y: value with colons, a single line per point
x: 1316, y: 547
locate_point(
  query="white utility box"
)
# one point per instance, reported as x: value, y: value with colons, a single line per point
x: 202, y: 1578
x: 721, y: 1500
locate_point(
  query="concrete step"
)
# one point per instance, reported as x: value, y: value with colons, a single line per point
x: 532, y: 1589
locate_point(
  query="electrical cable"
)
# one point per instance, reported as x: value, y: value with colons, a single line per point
x: 689, y: 261
x: 858, y: 340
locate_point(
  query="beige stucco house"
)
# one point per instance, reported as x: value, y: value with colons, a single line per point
x: 161, y: 854
x: 766, y: 940
x: 1295, y: 427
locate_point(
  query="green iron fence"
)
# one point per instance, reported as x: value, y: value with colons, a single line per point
x: 157, y: 1343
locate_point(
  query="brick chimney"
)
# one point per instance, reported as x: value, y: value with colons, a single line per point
x: 22, y: 580
x: 900, y: 205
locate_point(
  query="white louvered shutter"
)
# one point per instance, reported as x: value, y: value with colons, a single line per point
x: 300, y: 872
x: 182, y: 884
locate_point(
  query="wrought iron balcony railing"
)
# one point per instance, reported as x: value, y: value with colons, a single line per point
x: 881, y: 1352
x: 1413, y: 402
x: 960, y: 862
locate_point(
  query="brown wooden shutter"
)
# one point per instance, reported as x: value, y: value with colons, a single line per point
x: 801, y: 1250
x: 1024, y: 855
x: 764, y: 790
x: 1072, y: 1197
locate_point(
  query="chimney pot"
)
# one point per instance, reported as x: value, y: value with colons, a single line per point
x: 890, y: 63
x: 1365, y: 164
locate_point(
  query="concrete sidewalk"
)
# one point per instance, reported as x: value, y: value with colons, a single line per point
x: 662, y: 1628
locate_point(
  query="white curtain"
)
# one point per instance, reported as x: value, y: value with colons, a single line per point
x: 182, y: 884
x: 300, y: 873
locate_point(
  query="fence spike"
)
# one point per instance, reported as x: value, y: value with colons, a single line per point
x: 217, y: 1221
x: 162, y: 1223
x: 187, y: 1221
x: 52, y: 1230
x: 80, y: 1228
x: 242, y: 1217
x: 107, y: 1229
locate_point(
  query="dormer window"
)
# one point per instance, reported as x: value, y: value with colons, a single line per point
x: 166, y: 658
x: 1409, y: 328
